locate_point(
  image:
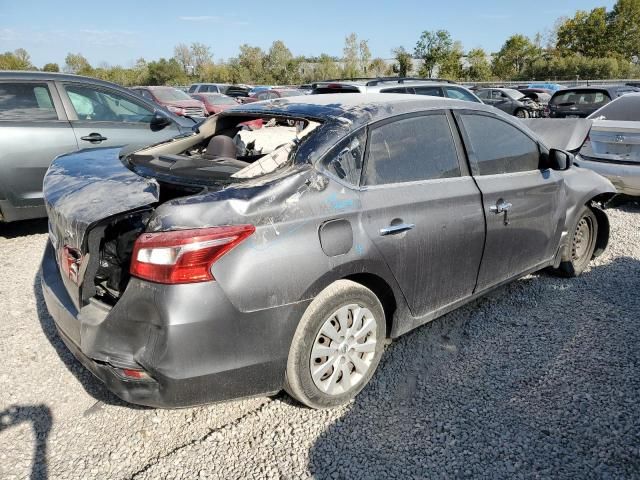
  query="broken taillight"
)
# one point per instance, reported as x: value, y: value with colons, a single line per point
x: 184, y: 256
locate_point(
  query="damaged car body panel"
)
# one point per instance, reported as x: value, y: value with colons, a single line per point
x: 294, y: 195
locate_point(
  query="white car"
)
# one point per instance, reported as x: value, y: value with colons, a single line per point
x: 612, y: 148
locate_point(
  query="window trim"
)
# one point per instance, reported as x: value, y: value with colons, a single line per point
x: 71, y: 112
x: 460, y: 154
x: 466, y: 141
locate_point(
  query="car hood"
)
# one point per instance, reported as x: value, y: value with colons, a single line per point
x: 183, y: 103
x: 562, y: 133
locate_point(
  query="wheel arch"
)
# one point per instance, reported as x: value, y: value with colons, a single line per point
x: 383, y: 291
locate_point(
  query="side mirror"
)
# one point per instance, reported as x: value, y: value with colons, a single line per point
x: 159, y: 121
x: 560, y: 159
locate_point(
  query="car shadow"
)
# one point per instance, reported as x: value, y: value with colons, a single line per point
x: 90, y: 383
x: 41, y: 420
x: 449, y: 401
x: 23, y: 228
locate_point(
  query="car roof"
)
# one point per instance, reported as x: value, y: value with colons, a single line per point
x: 356, y: 108
x: 595, y: 88
x: 53, y: 77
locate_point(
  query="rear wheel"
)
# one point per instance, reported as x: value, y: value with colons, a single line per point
x: 337, y: 346
x: 583, y: 243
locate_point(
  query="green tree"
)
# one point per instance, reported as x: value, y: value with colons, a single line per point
x: 451, y: 64
x: 19, y: 59
x: 587, y: 33
x: 77, y: 64
x: 351, y: 58
x: 278, y: 61
x: 364, y: 56
x: 165, y: 72
x: 377, y: 68
x: 624, y: 28
x: 433, y: 48
x: 478, y: 66
x: 51, y: 67
x: 325, y: 68
x: 404, y: 62
x: 514, y: 56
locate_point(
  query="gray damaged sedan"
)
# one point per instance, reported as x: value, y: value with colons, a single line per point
x: 285, y: 242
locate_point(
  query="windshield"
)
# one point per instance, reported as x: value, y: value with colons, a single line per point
x: 625, y: 109
x: 170, y: 94
x: 511, y: 93
x: 219, y: 99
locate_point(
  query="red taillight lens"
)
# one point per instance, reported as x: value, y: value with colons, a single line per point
x: 184, y: 256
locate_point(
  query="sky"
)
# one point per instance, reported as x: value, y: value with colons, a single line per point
x: 118, y: 32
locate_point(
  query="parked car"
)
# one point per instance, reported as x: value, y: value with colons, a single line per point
x: 208, y: 87
x: 435, y: 88
x: 238, y: 91
x: 272, y: 93
x: 43, y: 115
x: 235, y: 262
x: 215, y: 102
x: 510, y: 101
x: 612, y: 148
x: 174, y: 100
x: 580, y: 102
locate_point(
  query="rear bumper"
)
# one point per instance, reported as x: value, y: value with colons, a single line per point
x: 196, y: 346
x: 626, y: 178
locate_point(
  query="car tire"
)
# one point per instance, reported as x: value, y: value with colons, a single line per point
x: 336, y: 334
x: 582, y: 244
x: 521, y: 113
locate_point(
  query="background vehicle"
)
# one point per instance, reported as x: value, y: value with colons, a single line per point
x: 434, y: 88
x: 612, y: 148
x: 272, y: 93
x: 174, y: 100
x: 580, y: 102
x: 233, y: 262
x: 208, y: 87
x: 510, y: 101
x: 43, y: 115
x: 215, y: 102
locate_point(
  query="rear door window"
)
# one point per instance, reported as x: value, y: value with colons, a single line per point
x: 411, y: 149
x: 431, y: 91
x: 26, y: 101
x: 497, y: 147
x: 395, y: 90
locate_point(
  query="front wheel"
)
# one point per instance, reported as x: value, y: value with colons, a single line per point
x: 522, y: 113
x: 337, y: 346
x: 583, y: 244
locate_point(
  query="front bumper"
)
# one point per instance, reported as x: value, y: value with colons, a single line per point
x: 196, y: 346
x: 625, y: 177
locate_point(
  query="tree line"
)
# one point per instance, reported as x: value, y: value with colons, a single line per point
x: 591, y: 44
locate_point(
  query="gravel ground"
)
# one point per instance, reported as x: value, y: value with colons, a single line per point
x: 540, y: 379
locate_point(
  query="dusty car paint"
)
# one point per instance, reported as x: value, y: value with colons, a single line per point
x: 230, y: 338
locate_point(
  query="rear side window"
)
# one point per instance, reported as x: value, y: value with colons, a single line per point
x: 497, y: 147
x: 460, y: 94
x: 346, y: 158
x: 431, y: 91
x: 26, y: 101
x: 411, y: 149
x: 626, y: 109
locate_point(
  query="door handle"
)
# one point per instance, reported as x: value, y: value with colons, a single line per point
x: 93, y: 138
x: 395, y: 229
x: 501, y: 207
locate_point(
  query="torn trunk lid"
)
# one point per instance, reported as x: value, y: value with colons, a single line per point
x: 562, y: 133
x: 80, y: 190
